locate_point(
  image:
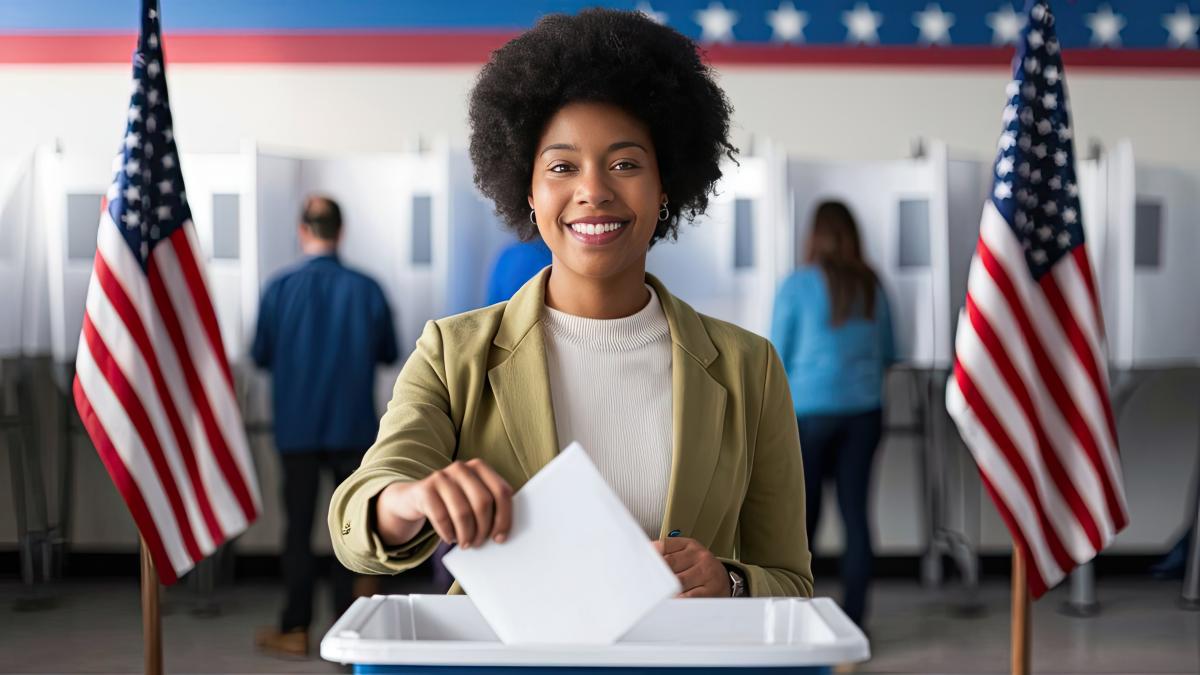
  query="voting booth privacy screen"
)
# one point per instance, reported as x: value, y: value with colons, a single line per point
x: 415, y: 222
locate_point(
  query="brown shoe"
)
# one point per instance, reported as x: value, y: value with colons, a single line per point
x: 291, y: 644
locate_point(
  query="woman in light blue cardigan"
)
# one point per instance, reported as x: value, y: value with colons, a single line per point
x: 833, y: 331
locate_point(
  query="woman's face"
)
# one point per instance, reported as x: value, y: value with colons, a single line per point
x: 596, y: 190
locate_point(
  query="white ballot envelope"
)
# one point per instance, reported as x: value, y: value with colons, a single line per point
x: 576, y: 568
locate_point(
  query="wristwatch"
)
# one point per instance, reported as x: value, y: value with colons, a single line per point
x: 737, y: 583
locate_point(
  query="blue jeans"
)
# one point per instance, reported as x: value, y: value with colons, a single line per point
x: 842, y: 447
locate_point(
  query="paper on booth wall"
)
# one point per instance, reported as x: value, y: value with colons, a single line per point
x: 576, y: 568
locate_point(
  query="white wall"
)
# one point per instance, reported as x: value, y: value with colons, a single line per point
x: 836, y: 113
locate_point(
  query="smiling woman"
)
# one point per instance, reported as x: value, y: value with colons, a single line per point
x: 599, y: 132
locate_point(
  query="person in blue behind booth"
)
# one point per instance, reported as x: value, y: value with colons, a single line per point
x: 515, y: 265
x: 322, y: 329
x: 601, y: 131
x: 833, y: 330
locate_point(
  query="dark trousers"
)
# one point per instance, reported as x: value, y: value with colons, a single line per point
x: 842, y: 447
x: 301, y: 480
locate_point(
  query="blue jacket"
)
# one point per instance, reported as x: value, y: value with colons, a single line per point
x: 322, y: 328
x: 831, y: 370
x: 515, y: 265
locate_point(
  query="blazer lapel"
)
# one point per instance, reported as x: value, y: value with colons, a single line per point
x: 521, y: 382
x: 698, y: 415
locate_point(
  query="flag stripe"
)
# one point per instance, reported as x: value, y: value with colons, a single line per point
x: 1008, y: 496
x: 1038, y: 585
x: 216, y: 441
x: 985, y: 413
x: 135, y: 412
x: 1060, y: 388
x: 1015, y: 386
x: 200, y: 298
x: 125, y: 484
x: 1083, y: 350
x: 236, y: 461
x: 990, y: 301
x: 119, y: 302
x: 132, y: 457
x: 125, y: 267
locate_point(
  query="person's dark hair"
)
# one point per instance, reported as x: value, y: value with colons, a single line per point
x: 833, y: 244
x: 322, y: 216
x: 604, y: 56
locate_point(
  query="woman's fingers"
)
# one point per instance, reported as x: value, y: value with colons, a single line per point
x: 461, y: 514
x: 501, y: 493
x: 480, y: 500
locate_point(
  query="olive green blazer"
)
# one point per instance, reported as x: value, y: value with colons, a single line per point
x: 477, y: 386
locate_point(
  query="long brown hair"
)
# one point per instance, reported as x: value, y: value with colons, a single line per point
x: 833, y: 244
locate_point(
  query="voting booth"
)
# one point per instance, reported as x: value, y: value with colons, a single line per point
x: 724, y: 264
x: 1142, y: 224
x: 445, y: 634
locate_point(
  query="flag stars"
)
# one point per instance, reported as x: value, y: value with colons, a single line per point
x: 153, y: 69
x: 1064, y: 239
x: 152, y: 41
x: 862, y: 25
x: 1006, y: 25
x: 1039, y: 256
x: 1060, y: 158
x: 131, y: 219
x: 1003, y: 190
x: 1070, y: 215
x: 934, y: 24
x: 1064, y: 133
x: 1044, y: 126
x: 1050, y: 102
x: 1004, y: 166
x: 1032, y: 65
x: 1072, y: 190
x: 132, y: 167
x: 135, y: 113
x: 132, y: 194
x: 163, y: 212
x: 1045, y: 232
x: 131, y: 139
x: 1029, y: 91
x: 152, y: 97
x: 1039, y: 150
x: 716, y: 23
x: 1051, y: 208
x: 1051, y: 74
x: 168, y: 161
x: 787, y: 24
x: 166, y: 186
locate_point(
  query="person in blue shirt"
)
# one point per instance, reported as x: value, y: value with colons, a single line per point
x: 833, y: 331
x: 515, y: 265
x: 322, y: 329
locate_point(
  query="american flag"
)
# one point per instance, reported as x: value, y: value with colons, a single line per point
x: 152, y: 384
x: 1030, y: 388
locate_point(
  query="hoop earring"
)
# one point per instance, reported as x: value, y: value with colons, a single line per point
x: 533, y: 217
x: 664, y: 213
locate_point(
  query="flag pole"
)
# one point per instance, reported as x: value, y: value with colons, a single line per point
x: 151, y: 625
x: 1020, y: 637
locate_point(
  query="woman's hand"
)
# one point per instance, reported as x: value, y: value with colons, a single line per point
x: 466, y: 503
x: 698, y: 570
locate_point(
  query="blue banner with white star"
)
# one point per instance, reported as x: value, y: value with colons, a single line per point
x: 755, y: 26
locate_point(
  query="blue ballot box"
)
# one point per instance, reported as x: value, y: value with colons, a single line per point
x: 432, y: 634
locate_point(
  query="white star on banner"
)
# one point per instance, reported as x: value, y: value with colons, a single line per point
x: 1182, y: 27
x: 787, y: 24
x: 934, y: 24
x: 716, y: 22
x: 1106, y: 26
x: 862, y: 25
x: 1006, y: 25
x: 647, y: 11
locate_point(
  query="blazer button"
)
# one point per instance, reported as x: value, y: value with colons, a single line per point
x: 346, y: 529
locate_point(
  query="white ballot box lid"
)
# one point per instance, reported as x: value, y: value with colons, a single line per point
x: 441, y: 630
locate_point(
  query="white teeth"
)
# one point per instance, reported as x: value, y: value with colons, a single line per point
x: 593, y: 229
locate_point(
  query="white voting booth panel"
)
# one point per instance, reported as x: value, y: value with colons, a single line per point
x: 918, y: 221
x: 448, y: 631
x: 1143, y: 229
x: 216, y: 187
x: 724, y: 265
x: 16, y: 205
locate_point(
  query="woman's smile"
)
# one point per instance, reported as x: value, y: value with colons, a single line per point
x: 597, y: 230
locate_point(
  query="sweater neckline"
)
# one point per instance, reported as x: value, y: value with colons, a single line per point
x: 646, y: 326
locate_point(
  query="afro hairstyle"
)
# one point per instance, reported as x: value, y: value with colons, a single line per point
x: 604, y: 56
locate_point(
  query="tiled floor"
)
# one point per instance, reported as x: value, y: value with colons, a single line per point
x: 95, y: 628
